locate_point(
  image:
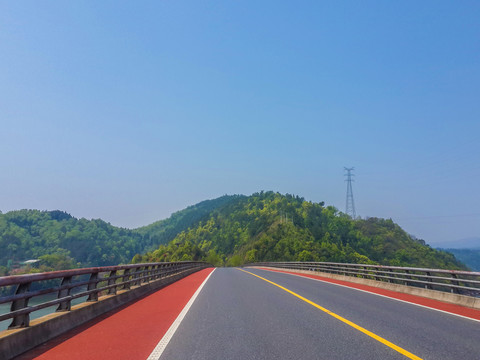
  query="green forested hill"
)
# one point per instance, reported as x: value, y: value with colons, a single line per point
x: 62, y: 241
x: 268, y: 226
x: 228, y: 230
x: 163, y: 231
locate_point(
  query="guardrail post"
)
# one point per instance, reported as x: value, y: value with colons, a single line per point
x: 140, y: 272
x: 365, y: 269
x: 164, y: 270
x: 154, y: 272
x: 454, y: 290
x: 332, y: 269
x: 144, y: 275
x: 92, y: 285
x: 390, y: 280
x: 135, y: 276
x: 125, y: 278
x: 428, y: 286
x: 112, y: 281
x: 376, y: 273
x: 148, y: 274
x: 406, y: 277
x: 66, y: 305
x: 24, y: 319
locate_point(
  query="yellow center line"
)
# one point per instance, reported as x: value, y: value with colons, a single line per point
x: 348, y: 322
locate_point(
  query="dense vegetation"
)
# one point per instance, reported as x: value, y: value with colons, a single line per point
x: 268, y: 226
x: 230, y: 230
x: 163, y: 231
x: 470, y: 257
x: 61, y: 241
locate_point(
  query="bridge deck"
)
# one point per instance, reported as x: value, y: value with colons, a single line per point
x: 274, y: 315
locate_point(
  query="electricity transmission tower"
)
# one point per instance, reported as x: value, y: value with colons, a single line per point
x: 350, y: 206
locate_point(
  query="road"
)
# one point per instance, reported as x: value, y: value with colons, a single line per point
x: 240, y: 316
x: 259, y: 314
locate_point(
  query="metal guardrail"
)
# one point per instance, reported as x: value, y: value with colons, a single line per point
x: 77, y: 283
x: 454, y: 281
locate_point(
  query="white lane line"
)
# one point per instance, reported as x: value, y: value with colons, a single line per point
x: 157, y: 352
x: 373, y: 293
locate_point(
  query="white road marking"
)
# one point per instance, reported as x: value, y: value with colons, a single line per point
x: 157, y: 352
x: 373, y: 293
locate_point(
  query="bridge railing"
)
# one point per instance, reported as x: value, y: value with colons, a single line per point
x: 88, y: 283
x: 454, y: 281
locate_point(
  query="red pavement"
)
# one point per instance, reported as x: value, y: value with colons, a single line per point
x: 435, y: 304
x: 130, y: 333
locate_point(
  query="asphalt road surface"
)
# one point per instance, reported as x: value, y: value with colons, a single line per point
x: 240, y: 316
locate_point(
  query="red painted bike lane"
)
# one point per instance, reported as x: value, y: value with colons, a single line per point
x: 418, y: 300
x: 129, y: 333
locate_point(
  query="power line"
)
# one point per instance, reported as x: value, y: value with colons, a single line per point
x: 350, y: 203
x: 437, y: 216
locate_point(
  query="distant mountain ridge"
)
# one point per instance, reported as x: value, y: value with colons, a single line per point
x: 468, y: 243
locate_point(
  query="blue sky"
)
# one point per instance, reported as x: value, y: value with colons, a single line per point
x: 128, y: 111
